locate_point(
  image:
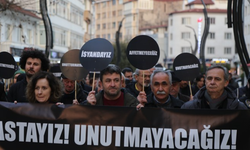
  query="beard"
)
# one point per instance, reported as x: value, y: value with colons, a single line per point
x: 29, y: 75
x: 112, y: 94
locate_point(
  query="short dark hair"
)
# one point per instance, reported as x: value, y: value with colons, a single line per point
x: 34, y: 54
x: 54, y: 83
x: 111, y: 68
x: 124, y: 70
x: 199, y: 77
x: 226, y: 74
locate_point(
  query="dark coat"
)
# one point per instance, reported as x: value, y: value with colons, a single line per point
x: 174, y: 103
x: 68, y: 98
x: 17, y: 91
x: 131, y: 89
x: 199, y: 101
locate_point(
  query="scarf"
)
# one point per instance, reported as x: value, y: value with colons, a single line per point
x: 215, y: 103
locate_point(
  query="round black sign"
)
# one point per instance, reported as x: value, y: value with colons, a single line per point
x: 96, y: 54
x: 7, y: 65
x: 143, y: 52
x: 186, y: 66
x: 71, y: 66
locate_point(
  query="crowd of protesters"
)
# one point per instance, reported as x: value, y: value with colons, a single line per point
x: 114, y: 86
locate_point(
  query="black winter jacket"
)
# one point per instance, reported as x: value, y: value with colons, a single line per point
x: 199, y: 101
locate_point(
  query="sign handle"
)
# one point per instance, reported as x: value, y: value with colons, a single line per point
x: 75, y: 89
x: 143, y: 81
x: 189, y: 83
x: 93, y: 82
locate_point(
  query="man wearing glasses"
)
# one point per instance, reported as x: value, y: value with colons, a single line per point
x: 139, y: 85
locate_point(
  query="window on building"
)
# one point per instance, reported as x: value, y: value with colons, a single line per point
x: 97, y: 36
x: 76, y: 41
x: 42, y: 34
x: 119, y: 12
x: 104, y: 36
x: 120, y: 1
x: 171, y: 50
x: 61, y: 8
x: 29, y: 37
x: 98, y: 27
x: 226, y: 20
x: 210, y: 50
x: 228, y: 36
x: 227, y: 50
x: 185, y: 35
x: 185, y: 49
x: 211, y: 35
x: 108, y: 37
x: 171, y: 22
x: 104, y: 4
x: 7, y: 32
x: 17, y: 34
x: 104, y: 26
x: 171, y: 36
x: 113, y: 2
x: 104, y: 15
x: 212, y: 20
x: 60, y: 37
x: 113, y: 13
x: 113, y: 25
x: 98, y: 16
x: 76, y: 15
x: 186, y: 20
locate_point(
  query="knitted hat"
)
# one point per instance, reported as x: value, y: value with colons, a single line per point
x: 19, y: 72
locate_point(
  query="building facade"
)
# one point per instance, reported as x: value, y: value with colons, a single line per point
x: 18, y: 30
x: 183, y: 25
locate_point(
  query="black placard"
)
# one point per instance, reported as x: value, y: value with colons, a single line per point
x: 7, y: 65
x: 96, y: 54
x: 71, y: 66
x: 143, y: 52
x: 186, y: 66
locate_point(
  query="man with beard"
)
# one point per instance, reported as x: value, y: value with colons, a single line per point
x: 112, y: 94
x: 160, y: 97
x: 136, y: 87
x: 32, y: 62
x: 215, y: 94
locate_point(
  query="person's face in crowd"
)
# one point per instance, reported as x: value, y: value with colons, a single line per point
x: 129, y: 75
x: 215, y: 82
x: 69, y: 85
x: 42, y: 91
x: 183, y: 84
x: 174, y: 89
x: 139, y: 78
x: 123, y: 82
x: 15, y: 77
x: 161, y: 86
x: 201, y: 83
x: 32, y: 66
x: 111, y: 84
x: 87, y: 80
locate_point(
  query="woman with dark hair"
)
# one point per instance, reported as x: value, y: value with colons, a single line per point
x: 44, y: 87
